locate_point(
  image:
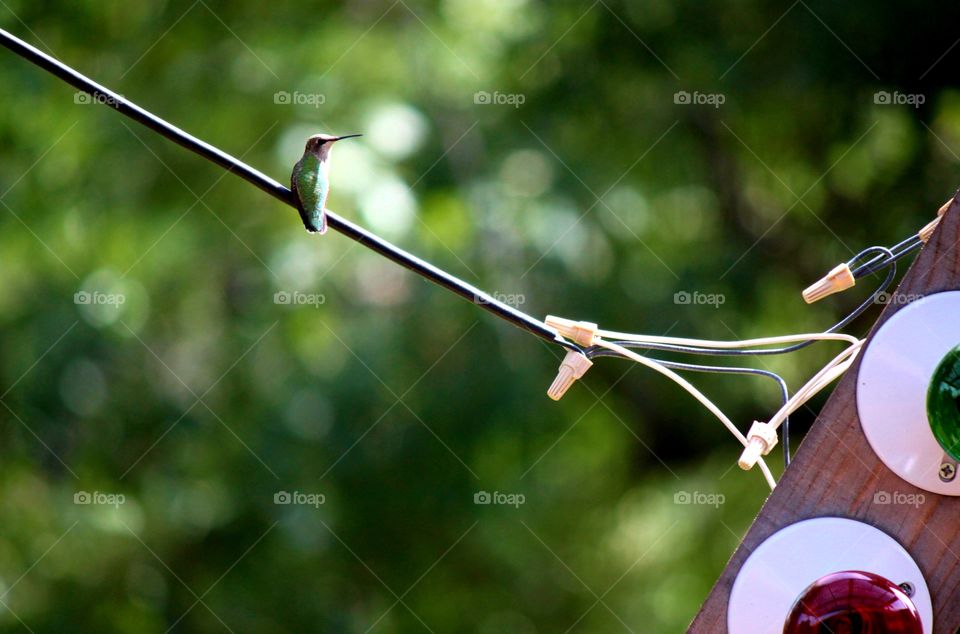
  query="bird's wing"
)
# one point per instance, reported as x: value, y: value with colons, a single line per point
x: 309, y: 192
x: 293, y: 186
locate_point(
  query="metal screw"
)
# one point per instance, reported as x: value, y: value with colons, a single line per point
x: 947, y: 472
x: 907, y: 588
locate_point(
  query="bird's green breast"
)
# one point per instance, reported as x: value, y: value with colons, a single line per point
x: 312, y: 184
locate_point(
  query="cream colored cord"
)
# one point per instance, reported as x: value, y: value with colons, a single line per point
x: 727, y: 345
x: 697, y: 394
x: 830, y: 372
x: 762, y: 436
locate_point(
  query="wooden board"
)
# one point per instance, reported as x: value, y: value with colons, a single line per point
x: 835, y: 472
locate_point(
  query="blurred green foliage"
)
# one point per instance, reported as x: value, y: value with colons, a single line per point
x: 199, y: 398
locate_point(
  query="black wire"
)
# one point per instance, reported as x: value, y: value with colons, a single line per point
x: 280, y: 192
x: 890, y: 257
x: 899, y: 251
x: 878, y: 255
x: 421, y: 267
x: 856, y: 312
x: 784, y: 392
x: 720, y: 369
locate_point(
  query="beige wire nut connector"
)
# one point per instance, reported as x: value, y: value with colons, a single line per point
x: 838, y: 279
x: 927, y: 230
x: 580, y: 332
x: 574, y: 366
x: 761, y: 439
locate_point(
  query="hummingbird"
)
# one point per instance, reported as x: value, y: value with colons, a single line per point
x: 310, y: 181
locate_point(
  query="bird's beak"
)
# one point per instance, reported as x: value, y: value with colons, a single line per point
x: 346, y: 136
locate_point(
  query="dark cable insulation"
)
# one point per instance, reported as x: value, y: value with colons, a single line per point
x: 898, y: 252
x: 280, y: 192
x: 890, y: 259
x: 727, y: 352
x: 719, y: 369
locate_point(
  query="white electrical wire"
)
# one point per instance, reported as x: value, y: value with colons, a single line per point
x: 829, y: 373
x: 584, y: 331
x: 725, y: 345
x: 697, y: 394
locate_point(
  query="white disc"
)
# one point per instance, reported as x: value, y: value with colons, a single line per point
x: 895, y: 372
x: 782, y: 567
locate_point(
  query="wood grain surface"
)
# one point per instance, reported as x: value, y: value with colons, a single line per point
x: 835, y: 472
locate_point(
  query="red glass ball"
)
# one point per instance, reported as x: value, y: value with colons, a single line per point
x: 853, y: 602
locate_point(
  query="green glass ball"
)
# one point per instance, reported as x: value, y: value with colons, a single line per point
x: 943, y: 403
